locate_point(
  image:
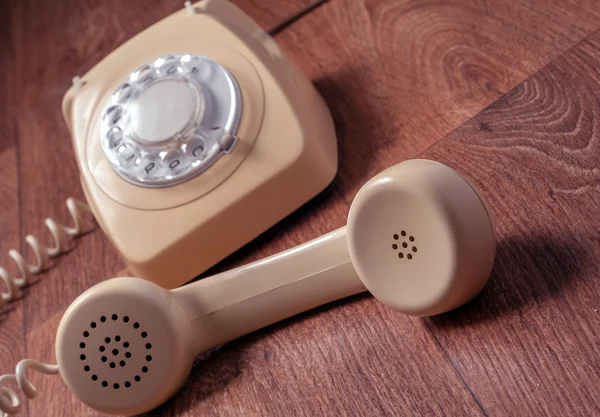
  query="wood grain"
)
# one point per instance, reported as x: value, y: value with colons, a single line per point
x: 530, y: 344
x: 76, y: 35
x: 406, y: 73
x: 12, y: 329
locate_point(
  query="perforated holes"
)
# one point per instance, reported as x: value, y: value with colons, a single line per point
x: 117, y: 338
x: 104, y: 384
x: 82, y: 357
x: 107, y: 340
x: 137, y: 378
x: 126, y: 345
x: 113, y: 365
x: 86, y: 368
x: 93, y: 325
x: 148, y: 346
x: 82, y: 345
x: 86, y: 334
x: 103, y: 319
x: 122, y: 364
x: 149, y: 358
x: 115, y: 317
x: 101, y: 348
x: 144, y: 335
x: 145, y: 369
x: 127, y: 384
x: 126, y: 319
x: 136, y: 325
x: 115, y: 352
x: 128, y: 355
x: 116, y: 386
x: 94, y: 377
x: 404, y: 244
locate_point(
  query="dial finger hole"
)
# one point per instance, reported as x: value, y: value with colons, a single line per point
x: 142, y: 74
x: 123, y: 93
x: 113, y: 115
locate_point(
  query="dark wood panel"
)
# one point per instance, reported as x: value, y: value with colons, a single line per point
x: 406, y: 73
x: 530, y: 344
x: 56, y: 41
x: 12, y: 329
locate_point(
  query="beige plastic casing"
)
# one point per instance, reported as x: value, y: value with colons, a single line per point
x: 450, y: 223
x: 285, y: 155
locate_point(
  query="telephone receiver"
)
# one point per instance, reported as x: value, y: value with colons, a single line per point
x: 419, y: 237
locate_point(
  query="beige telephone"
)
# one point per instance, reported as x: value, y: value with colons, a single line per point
x: 192, y: 138
x: 419, y: 237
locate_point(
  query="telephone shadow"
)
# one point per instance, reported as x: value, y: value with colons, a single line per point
x: 344, y: 93
x: 216, y: 369
x: 528, y: 270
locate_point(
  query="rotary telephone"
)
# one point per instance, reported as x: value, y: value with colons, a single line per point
x: 182, y: 140
x: 192, y: 138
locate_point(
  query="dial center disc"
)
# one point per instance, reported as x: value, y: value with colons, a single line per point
x: 164, y: 110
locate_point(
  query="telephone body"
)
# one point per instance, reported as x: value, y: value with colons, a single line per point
x: 194, y: 137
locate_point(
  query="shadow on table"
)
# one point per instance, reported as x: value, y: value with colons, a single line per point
x: 528, y: 270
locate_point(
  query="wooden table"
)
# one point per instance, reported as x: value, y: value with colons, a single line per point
x: 505, y: 91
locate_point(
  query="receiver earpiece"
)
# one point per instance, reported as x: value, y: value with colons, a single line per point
x: 419, y: 237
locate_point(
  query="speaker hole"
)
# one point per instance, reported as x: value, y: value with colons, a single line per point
x: 115, y: 317
x: 104, y: 384
x: 126, y: 345
x: 104, y: 358
x: 148, y: 346
x: 404, y: 245
x: 400, y: 255
x: 118, y: 339
x: 414, y: 248
x: 86, y: 368
x: 126, y: 319
x: 409, y: 256
x: 122, y: 364
x: 115, y: 352
x: 93, y: 325
x: 149, y: 358
x: 144, y: 335
x: 103, y: 319
x: 113, y: 365
x: 82, y: 345
x: 82, y: 357
x: 102, y: 348
x: 116, y: 386
x: 127, y: 384
x: 86, y: 334
x: 145, y: 369
x: 137, y: 378
x: 396, y: 237
x: 127, y: 355
x: 394, y: 246
x: 107, y: 340
x: 94, y: 377
x: 411, y: 238
x: 136, y: 325
x: 403, y: 233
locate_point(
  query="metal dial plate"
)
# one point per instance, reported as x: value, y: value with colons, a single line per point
x: 170, y: 120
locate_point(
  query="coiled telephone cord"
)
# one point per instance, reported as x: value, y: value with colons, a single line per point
x: 42, y: 253
x: 10, y: 403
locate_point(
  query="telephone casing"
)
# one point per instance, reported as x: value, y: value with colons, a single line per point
x: 285, y: 155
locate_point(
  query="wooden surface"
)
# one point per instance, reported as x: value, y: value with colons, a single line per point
x: 506, y: 92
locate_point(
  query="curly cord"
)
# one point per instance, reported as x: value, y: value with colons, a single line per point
x: 10, y: 403
x: 42, y: 253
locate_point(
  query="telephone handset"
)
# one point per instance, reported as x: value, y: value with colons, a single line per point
x: 192, y: 138
x: 419, y: 237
